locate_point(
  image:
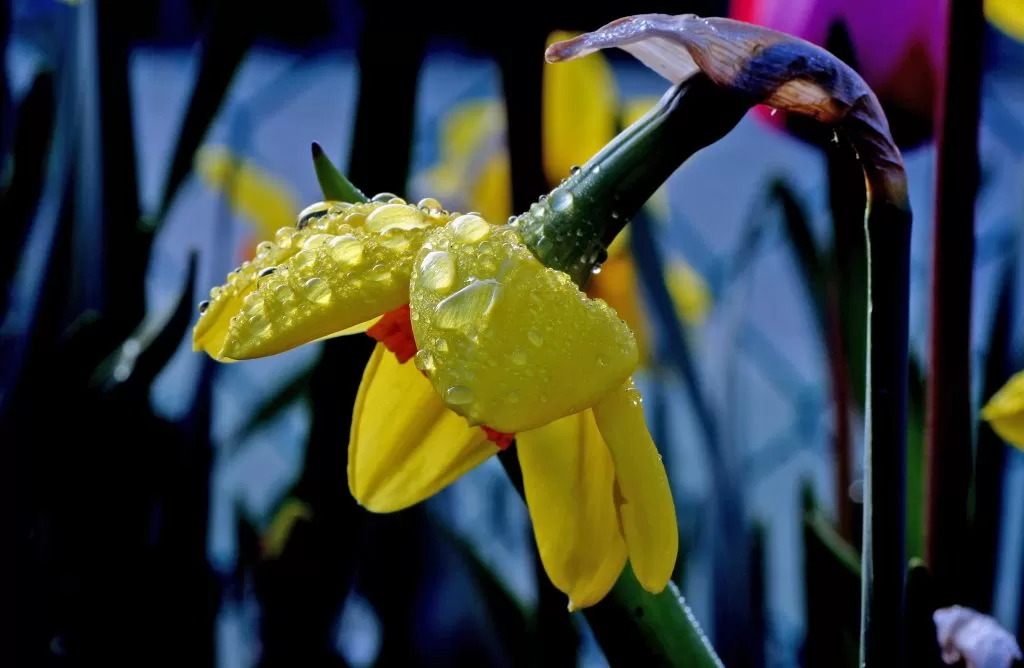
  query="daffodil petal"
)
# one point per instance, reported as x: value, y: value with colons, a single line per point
x: 1005, y: 411
x: 579, y: 109
x: 569, y: 479
x: 343, y: 276
x: 267, y: 202
x: 617, y: 284
x: 646, y: 507
x: 506, y: 341
x: 405, y: 444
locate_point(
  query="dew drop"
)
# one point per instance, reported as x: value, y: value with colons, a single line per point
x: 264, y: 247
x: 383, y: 197
x: 266, y: 272
x: 317, y: 290
x: 253, y: 302
x: 258, y: 323
x: 397, y: 242
x: 596, y: 270
x: 283, y: 237
x: 284, y: 293
x: 538, y: 210
x: 395, y: 217
x: 535, y: 338
x: 458, y: 395
x: 615, y: 215
x: 575, y: 169
x: 441, y: 345
x: 203, y: 305
x: 561, y: 199
x: 304, y: 259
x: 379, y: 273
x: 424, y: 361
x: 437, y: 271
x: 316, y: 240
x: 429, y: 203
x: 215, y: 292
x: 355, y: 219
x: 467, y: 307
x: 397, y: 200
x: 346, y: 250
x: 470, y: 228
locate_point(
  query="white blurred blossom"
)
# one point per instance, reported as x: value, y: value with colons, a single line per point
x: 976, y: 638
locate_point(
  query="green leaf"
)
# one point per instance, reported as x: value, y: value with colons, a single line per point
x: 138, y: 360
x: 917, y: 466
x: 232, y: 29
x: 332, y: 182
x: 832, y: 590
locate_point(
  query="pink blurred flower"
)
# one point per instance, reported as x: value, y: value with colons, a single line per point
x: 898, y: 47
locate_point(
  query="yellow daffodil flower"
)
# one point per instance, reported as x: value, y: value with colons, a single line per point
x: 1005, y: 411
x: 502, y: 345
x: 580, y: 112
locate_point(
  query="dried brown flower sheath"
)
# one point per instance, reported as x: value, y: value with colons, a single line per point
x: 773, y: 68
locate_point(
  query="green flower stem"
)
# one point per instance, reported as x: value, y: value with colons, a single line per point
x: 569, y: 228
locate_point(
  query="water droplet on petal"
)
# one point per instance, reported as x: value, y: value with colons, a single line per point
x: 346, y: 250
x: 316, y: 240
x: 395, y: 217
x: 264, y: 247
x: 561, y: 199
x: 467, y: 307
x: 258, y: 323
x: 396, y: 200
x: 575, y: 169
x: 441, y: 345
x: 383, y: 197
x: 215, y: 292
x: 538, y: 210
x: 284, y: 293
x: 283, y: 237
x: 304, y: 259
x: 535, y: 338
x: 470, y: 228
x: 437, y: 271
x: 424, y: 361
x: 397, y: 242
x: 379, y: 272
x: 458, y: 395
x: 317, y: 290
x: 596, y: 270
x: 428, y: 203
x: 266, y: 272
x: 253, y: 302
x: 203, y: 305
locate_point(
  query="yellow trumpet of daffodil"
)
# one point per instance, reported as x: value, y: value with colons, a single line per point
x: 501, y: 345
x: 1005, y: 411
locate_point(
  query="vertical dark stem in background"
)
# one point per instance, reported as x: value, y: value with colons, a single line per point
x: 303, y: 592
x: 126, y: 244
x: 949, y: 402
x: 990, y: 460
x: 521, y: 64
x: 522, y: 68
x: 883, y: 560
